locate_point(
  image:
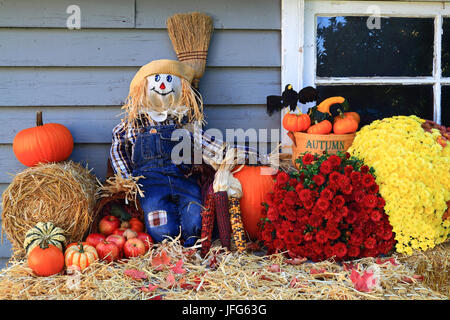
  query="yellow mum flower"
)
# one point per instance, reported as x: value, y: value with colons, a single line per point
x: 413, y: 172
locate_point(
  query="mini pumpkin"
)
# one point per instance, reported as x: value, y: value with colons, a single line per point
x: 51, y: 142
x: 46, y: 260
x: 344, y: 124
x: 296, y: 122
x: 44, y: 232
x: 80, y: 255
x: 323, y: 127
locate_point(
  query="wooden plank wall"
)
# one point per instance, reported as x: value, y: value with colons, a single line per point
x: 80, y: 77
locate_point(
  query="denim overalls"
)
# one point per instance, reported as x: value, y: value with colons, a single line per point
x: 171, y: 200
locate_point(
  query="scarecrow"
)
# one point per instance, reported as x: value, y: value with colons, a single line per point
x: 160, y: 101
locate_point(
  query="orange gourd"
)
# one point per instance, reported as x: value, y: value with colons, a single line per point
x: 50, y: 142
x: 352, y: 114
x: 296, y: 122
x: 323, y: 127
x: 255, y: 185
x: 80, y: 255
x: 46, y: 260
x: 325, y: 105
x: 344, y: 124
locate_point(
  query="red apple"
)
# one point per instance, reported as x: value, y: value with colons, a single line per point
x: 117, y: 240
x: 94, y: 238
x: 108, y: 251
x: 146, y: 238
x: 133, y: 248
x: 136, y: 225
x: 119, y: 231
x: 108, y: 224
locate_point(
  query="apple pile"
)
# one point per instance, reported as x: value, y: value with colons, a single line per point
x: 120, y: 239
x: 429, y: 125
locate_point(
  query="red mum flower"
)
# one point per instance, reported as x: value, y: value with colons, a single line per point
x: 381, y: 203
x: 364, y: 169
x: 308, y: 204
x: 315, y: 221
x: 321, y: 236
x: 282, y: 177
x: 348, y: 170
x: 355, y: 176
x: 375, y: 215
x: 353, y: 251
x: 299, y: 187
x: 323, y: 204
x: 370, y: 201
x: 318, y: 179
x: 272, y: 213
x: 293, y: 182
x: 370, y: 243
x: 351, y: 217
x: 340, y: 250
x: 374, y: 188
x: 347, y: 189
x: 335, y: 160
x: 327, y: 194
x: 334, y: 177
x: 291, y: 198
x: 305, y: 195
x: 367, y: 180
x: 328, y: 250
x: 338, y: 201
x: 326, y: 167
x: 333, y: 233
x: 358, y: 196
x: 307, y: 159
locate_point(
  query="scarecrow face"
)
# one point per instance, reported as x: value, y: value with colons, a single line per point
x: 164, y: 93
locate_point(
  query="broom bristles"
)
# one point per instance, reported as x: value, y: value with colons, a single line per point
x: 190, y: 34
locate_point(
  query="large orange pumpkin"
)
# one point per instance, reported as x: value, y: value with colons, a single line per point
x: 46, y: 260
x: 50, y: 142
x: 255, y: 186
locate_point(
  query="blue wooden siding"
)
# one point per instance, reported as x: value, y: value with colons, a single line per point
x: 80, y: 78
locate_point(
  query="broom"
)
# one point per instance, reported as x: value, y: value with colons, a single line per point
x: 190, y: 34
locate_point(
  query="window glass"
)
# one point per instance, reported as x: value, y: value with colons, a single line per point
x: 346, y: 47
x: 446, y: 47
x: 445, y: 106
x: 377, y: 102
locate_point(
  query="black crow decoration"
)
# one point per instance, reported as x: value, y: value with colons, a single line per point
x: 289, y: 98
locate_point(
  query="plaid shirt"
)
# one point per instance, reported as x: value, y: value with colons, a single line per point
x: 124, y: 138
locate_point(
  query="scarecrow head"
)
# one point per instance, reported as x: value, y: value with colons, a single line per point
x: 162, y: 88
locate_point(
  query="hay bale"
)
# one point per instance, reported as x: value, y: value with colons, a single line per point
x: 63, y: 193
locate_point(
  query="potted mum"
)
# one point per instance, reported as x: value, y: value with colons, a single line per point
x: 329, y: 208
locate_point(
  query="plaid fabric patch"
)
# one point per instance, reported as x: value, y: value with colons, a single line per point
x: 157, y: 218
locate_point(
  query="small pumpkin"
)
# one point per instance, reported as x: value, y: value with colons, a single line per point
x: 80, y: 255
x: 44, y: 232
x: 344, y: 124
x: 51, y: 142
x: 354, y: 115
x: 46, y: 260
x: 323, y: 127
x: 296, y: 122
x: 255, y: 185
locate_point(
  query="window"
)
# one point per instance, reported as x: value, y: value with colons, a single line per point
x: 386, y: 57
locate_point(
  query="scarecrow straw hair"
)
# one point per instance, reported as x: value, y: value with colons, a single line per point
x: 190, y: 34
x: 236, y: 276
x: 137, y: 101
x: 62, y: 193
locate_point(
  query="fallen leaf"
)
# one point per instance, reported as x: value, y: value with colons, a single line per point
x: 177, y: 268
x: 390, y: 260
x: 150, y: 288
x: 170, y: 280
x: 274, y: 268
x: 349, y: 266
x: 135, y: 274
x: 365, y: 282
x: 317, y: 271
x: 158, y: 297
x: 295, y: 261
x: 412, y: 279
x: 161, y: 260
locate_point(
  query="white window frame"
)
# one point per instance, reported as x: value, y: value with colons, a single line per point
x: 298, y: 34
